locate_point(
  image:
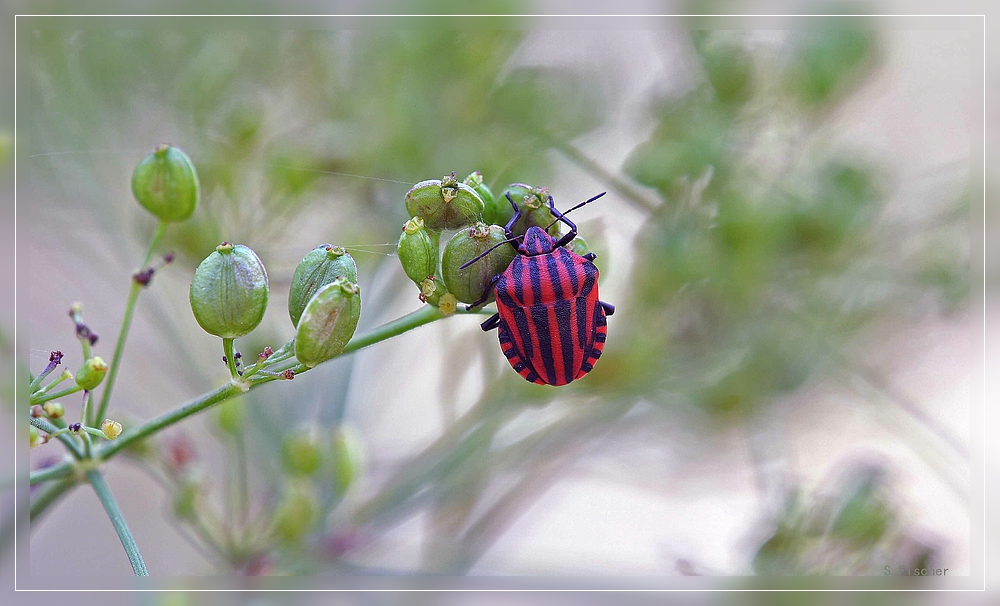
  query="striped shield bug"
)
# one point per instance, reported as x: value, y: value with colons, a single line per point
x: 551, y: 324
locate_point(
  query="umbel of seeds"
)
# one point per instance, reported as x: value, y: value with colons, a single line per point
x: 229, y: 291
x: 321, y: 266
x: 166, y: 184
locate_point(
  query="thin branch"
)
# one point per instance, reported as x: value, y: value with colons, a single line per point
x: 118, y: 521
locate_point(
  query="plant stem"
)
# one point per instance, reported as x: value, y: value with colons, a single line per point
x: 391, y: 329
x: 53, y: 472
x: 133, y: 295
x: 227, y: 348
x: 43, y: 398
x: 49, y: 495
x: 118, y: 521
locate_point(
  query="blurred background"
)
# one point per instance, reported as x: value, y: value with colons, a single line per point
x: 786, y: 384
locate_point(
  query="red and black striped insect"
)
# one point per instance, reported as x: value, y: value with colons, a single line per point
x: 551, y: 324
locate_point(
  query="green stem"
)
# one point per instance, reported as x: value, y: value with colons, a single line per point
x: 228, y: 349
x: 133, y: 296
x: 44, y: 390
x: 49, y: 495
x: 410, y: 321
x: 43, y: 398
x: 118, y: 521
x: 54, y: 472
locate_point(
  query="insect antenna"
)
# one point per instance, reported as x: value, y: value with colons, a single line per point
x: 581, y: 204
x: 489, y: 250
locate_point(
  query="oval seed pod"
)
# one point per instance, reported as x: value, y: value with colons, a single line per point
x: 322, y: 265
x: 301, y: 453
x: 166, y: 184
x: 469, y: 284
x: 418, y: 250
x: 91, y: 373
x: 534, y: 205
x: 491, y: 213
x: 328, y: 322
x: 579, y: 246
x: 347, y: 454
x: 35, y: 439
x: 229, y: 291
x: 444, y: 204
x: 295, y: 513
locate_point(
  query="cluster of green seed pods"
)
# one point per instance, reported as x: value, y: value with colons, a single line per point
x: 479, y: 217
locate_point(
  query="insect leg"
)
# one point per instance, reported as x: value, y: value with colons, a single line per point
x: 486, y: 293
x: 510, y: 224
x: 491, y: 323
x: 572, y: 226
x: 609, y: 309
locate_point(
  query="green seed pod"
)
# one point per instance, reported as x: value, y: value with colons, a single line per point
x: 347, y: 454
x: 418, y: 250
x: 322, y: 265
x: 34, y: 438
x: 91, y: 373
x: 229, y: 416
x: 301, y: 453
x: 491, y: 213
x: 579, y: 246
x: 468, y: 284
x: 328, y: 322
x: 54, y: 410
x: 229, y: 291
x: 166, y: 184
x: 295, y: 513
x: 444, y: 204
x: 534, y: 205
x: 187, y: 498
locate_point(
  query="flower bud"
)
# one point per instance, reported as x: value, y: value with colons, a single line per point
x: 111, y: 429
x: 347, y: 454
x: 322, y: 265
x: 34, y: 438
x: 448, y: 304
x: 53, y: 410
x: 491, y: 213
x: 91, y: 373
x: 328, y: 322
x: 418, y: 250
x: 295, y: 513
x: 229, y: 416
x: 165, y: 183
x: 229, y: 291
x: 468, y: 284
x: 444, y: 204
x: 534, y: 205
x: 301, y: 453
